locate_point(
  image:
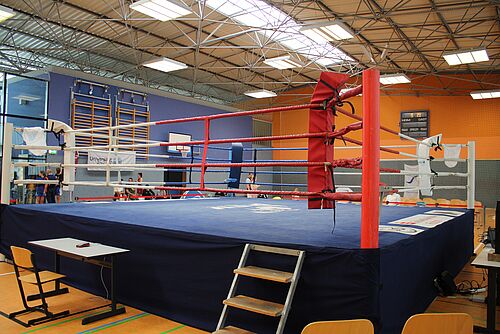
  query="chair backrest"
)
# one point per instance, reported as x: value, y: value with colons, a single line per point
x: 22, y: 257
x: 439, y: 323
x: 407, y: 201
x: 429, y: 200
x: 458, y: 202
x: 359, y: 326
x: 442, y: 201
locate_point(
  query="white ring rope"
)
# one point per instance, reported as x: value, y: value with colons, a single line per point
x: 103, y: 136
x: 114, y: 127
x: 403, y: 173
x: 405, y: 188
x: 116, y: 143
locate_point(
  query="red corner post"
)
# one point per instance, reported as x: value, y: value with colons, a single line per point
x: 370, y: 180
x: 319, y: 150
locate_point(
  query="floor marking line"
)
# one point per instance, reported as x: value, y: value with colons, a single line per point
x: 173, y: 329
x: 62, y: 322
x: 114, y: 323
x: 5, y: 274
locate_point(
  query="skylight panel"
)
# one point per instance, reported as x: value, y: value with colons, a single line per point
x: 279, y: 27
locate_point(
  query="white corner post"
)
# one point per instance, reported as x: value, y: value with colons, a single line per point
x: 69, y: 174
x: 471, y: 174
x: 7, y: 172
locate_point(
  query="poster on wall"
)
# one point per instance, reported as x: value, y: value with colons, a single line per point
x: 415, y: 124
x: 101, y: 158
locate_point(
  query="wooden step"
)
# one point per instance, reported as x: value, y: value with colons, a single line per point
x: 232, y: 330
x: 255, y: 305
x: 264, y: 273
x: 275, y: 250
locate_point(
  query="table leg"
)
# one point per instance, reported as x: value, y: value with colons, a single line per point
x: 113, y: 282
x: 57, y: 288
x: 492, y: 300
x: 491, y: 306
x: 57, y: 261
x: 114, y: 309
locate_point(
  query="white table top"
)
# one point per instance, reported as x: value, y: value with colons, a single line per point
x: 481, y: 259
x: 68, y: 245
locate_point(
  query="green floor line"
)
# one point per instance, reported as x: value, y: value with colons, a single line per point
x: 62, y: 322
x: 173, y: 329
x: 115, y: 323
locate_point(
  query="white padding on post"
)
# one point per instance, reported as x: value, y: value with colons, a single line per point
x: 424, y: 165
x: 411, y: 181
x: 69, y: 156
x: 35, y: 137
x: 451, y: 151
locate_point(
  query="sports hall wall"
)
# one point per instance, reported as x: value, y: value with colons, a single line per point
x: 458, y: 118
x: 160, y: 108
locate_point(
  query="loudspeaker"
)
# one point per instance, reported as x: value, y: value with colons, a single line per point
x: 445, y: 284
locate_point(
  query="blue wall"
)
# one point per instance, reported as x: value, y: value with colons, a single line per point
x: 161, y: 108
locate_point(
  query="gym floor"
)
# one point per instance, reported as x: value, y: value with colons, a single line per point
x: 137, y: 321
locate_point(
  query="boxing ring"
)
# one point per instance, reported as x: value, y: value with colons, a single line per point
x: 363, y: 261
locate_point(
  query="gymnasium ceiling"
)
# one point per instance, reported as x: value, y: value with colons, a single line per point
x: 225, y: 58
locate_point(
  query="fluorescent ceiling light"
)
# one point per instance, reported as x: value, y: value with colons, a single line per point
x: 485, y: 94
x: 260, y: 94
x: 393, y: 79
x: 279, y: 27
x: 165, y: 65
x: 282, y: 63
x: 6, y: 13
x: 162, y: 10
x: 466, y: 56
x: 328, y: 31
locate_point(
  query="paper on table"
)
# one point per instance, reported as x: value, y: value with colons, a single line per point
x: 428, y: 221
x: 399, y: 229
x: 445, y: 212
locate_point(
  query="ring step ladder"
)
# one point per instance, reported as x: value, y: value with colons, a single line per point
x: 258, y: 305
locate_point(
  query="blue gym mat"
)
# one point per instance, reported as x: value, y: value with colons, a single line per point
x: 183, y: 253
x: 257, y: 220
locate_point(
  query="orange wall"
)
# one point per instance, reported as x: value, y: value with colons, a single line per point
x: 458, y: 118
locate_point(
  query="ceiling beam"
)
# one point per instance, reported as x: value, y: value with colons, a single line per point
x: 360, y: 35
x: 163, y: 38
x: 81, y: 65
x: 35, y: 16
x: 401, y: 33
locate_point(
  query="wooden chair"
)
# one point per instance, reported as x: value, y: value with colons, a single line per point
x: 439, y: 323
x: 479, y: 213
x: 359, y: 326
x: 25, y: 260
x: 442, y: 202
x: 462, y: 203
x: 429, y: 201
x: 406, y: 201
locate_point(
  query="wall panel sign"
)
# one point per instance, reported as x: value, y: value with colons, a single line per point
x: 415, y: 124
